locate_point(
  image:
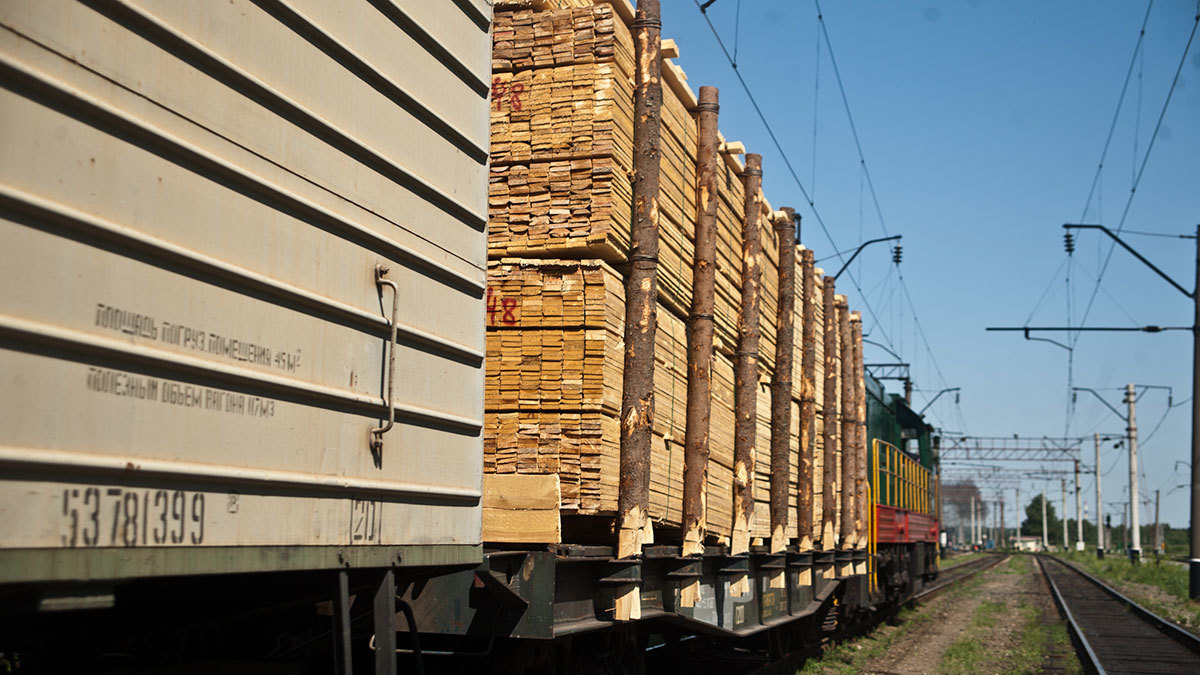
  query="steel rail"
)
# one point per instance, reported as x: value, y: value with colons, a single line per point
x: 968, y: 570
x: 1084, y: 648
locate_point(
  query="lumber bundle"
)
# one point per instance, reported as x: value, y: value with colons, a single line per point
x: 559, y: 230
x: 570, y: 111
x: 531, y: 36
x: 562, y: 146
x: 554, y: 368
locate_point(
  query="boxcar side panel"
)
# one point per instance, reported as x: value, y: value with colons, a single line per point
x: 194, y: 200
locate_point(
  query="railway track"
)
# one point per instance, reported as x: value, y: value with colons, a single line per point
x: 957, y: 574
x: 1111, y: 633
x: 785, y: 665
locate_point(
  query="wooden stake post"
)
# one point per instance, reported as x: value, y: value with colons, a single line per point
x: 829, y: 417
x: 848, y: 431
x: 641, y: 293
x: 746, y: 367
x: 808, y: 401
x: 862, y: 504
x: 781, y: 379
x: 700, y: 331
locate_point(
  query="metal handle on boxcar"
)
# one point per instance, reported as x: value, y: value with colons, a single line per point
x: 378, y: 432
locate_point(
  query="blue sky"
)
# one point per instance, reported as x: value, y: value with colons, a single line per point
x: 982, y: 123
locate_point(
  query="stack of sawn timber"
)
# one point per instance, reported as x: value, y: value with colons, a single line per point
x: 559, y: 223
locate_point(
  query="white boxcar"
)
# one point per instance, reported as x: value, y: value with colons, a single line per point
x: 208, y: 211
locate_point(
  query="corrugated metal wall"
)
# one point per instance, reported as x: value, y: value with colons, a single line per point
x: 194, y: 197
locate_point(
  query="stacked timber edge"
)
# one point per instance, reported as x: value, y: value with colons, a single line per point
x: 560, y: 215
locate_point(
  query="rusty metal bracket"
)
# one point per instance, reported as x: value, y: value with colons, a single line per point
x: 377, y: 433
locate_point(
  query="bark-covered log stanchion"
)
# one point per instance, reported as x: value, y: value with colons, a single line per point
x: 808, y: 399
x: 641, y: 293
x: 745, y: 395
x: 781, y: 379
x: 849, y: 428
x: 829, y: 413
x: 700, y: 330
x: 861, y: 451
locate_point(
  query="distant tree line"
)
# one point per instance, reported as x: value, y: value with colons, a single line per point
x: 1175, y: 539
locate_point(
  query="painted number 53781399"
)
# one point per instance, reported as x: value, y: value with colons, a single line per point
x: 106, y: 516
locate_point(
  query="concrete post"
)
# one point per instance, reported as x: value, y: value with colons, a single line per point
x: 1078, y: 511
x: 1065, y: 543
x: 1157, y: 527
x: 1003, y: 532
x: 1100, y: 539
x: 1045, y: 539
x: 973, y: 540
x: 1194, y: 546
x: 1125, y: 526
x: 1135, y: 551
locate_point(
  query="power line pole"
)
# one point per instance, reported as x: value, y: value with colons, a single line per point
x: 1019, y: 519
x: 1063, y: 484
x: 994, y: 523
x: 1003, y: 534
x: 1125, y: 526
x: 1135, y: 553
x: 1157, y: 530
x: 972, y: 520
x: 1099, y: 502
x: 1078, y: 512
x: 996, y: 520
x: 1194, y: 295
x: 1194, y: 548
x: 1045, y: 540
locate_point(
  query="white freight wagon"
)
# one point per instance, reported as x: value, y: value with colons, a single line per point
x: 215, y: 218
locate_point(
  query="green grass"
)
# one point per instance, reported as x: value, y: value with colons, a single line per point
x: 1037, y: 639
x: 1017, y: 564
x: 1168, y: 576
x: 1034, y: 644
x: 967, y: 655
x: 851, y: 656
x: 960, y: 559
x: 964, y: 656
x: 986, y: 613
x: 1170, y: 579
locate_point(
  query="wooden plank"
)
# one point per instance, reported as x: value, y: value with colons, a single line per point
x: 521, y: 508
x: 509, y: 526
x: 521, y: 491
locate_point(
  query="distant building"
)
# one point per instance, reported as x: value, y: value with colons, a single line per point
x: 1030, y: 544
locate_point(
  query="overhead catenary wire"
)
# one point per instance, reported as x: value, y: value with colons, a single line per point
x: 1116, y: 303
x: 816, y: 110
x: 865, y: 176
x: 790, y: 168
x: 850, y: 117
x: 1160, y: 234
x: 1046, y: 292
x: 1142, y: 168
x: 1112, y: 127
